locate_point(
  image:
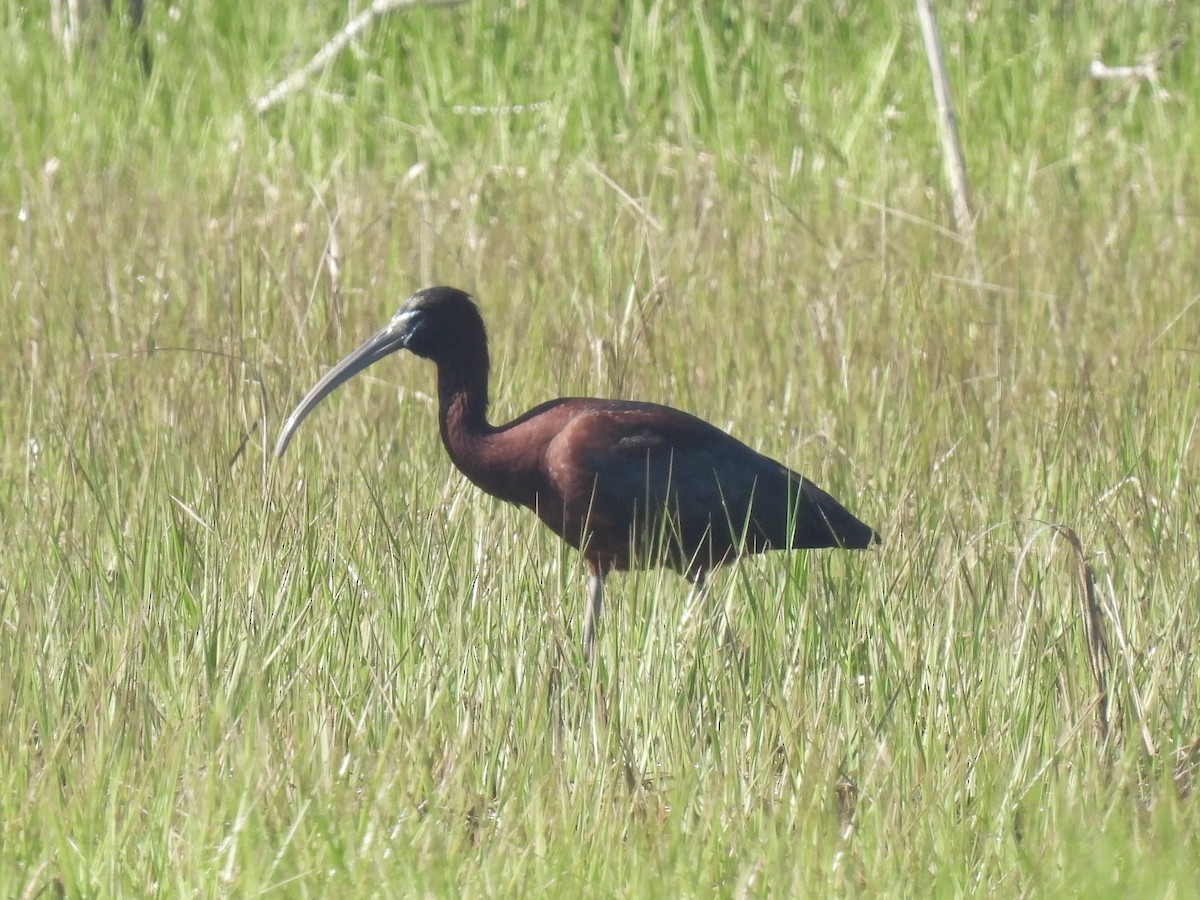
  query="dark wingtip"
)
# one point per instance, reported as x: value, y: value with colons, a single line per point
x: 826, y: 523
x: 863, y: 540
x: 852, y: 533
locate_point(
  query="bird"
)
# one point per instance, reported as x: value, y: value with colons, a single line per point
x: 629, y: 484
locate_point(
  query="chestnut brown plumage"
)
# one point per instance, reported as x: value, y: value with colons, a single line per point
x: 629, y: 484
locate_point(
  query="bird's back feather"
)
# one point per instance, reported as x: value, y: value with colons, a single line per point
x: 641, y: 480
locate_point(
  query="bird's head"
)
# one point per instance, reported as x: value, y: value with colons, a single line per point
x: 435, y: 323
x: 438, y: 323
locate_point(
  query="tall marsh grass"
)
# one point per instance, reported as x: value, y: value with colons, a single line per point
x: 349, y: 673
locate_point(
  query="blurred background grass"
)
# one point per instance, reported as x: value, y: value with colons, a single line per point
x: 350, y: 673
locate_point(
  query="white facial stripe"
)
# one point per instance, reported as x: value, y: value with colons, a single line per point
x: 400, y: 320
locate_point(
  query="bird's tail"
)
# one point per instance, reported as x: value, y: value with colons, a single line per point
x: 823, y: 522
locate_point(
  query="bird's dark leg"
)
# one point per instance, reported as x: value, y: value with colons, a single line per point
x: 591, y: 610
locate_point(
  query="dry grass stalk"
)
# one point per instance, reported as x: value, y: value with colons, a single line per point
x: 1096, y: 643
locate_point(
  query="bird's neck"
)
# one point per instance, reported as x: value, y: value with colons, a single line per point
x: 474, y: 445
x: 462, y: 403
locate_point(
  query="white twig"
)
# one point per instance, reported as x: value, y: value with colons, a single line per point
x: 1102, y: 72
x: 630, y: 201
x: 507, y: 110
x: 993, y: 288
x: 952, y: 155
x: 1179, y: 315
x: 336, y: 45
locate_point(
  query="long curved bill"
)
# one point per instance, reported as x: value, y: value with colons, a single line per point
x: 373, y: 349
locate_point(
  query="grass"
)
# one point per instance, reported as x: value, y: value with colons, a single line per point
x: 348, y: 673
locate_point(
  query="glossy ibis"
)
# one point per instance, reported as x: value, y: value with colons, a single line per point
x: 628, y: 484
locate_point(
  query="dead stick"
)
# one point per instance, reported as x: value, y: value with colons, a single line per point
x: 1099, y: 658
x: 1099, y: 71
x: 952, y: 155
x: 336, y: 45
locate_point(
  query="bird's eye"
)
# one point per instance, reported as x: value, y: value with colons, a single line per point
x: 415, y: 331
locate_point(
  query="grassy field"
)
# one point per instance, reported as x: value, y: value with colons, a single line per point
x: 348, y: 673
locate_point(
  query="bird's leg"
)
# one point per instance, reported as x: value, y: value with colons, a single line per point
x: 591, y: 611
